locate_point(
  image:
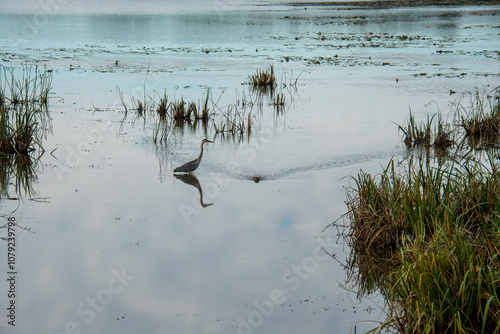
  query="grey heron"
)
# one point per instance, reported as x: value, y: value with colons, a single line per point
x: 190, y: 166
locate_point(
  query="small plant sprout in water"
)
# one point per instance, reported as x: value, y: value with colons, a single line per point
x: 279, y: 102
x: 139, y: 106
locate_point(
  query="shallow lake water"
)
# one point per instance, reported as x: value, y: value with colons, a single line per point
x: 112, y: 241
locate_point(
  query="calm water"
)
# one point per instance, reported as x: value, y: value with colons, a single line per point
x: 114, y: 243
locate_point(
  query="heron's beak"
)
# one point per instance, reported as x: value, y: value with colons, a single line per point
x: 209, y: 141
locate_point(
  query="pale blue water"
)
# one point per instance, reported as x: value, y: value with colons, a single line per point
x: 121, y: 245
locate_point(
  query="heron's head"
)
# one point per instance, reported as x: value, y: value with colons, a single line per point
x: 206, y: 141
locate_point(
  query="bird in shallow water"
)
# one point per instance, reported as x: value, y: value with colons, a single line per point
x: 190, y: 166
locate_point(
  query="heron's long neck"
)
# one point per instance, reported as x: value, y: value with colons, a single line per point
x: 201, y: 152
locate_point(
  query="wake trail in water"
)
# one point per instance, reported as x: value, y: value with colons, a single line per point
x: 321, y: 164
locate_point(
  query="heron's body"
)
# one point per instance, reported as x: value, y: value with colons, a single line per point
x: 190, y: 166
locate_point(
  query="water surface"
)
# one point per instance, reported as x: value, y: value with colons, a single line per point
x: 108, y: 205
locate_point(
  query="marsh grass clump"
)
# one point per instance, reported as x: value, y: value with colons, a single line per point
x: 480, y: 118
x: 417, y: 135
x: 235, y: 118
x: 444, y: 137
x: 24, y: 85
x: 23, y: 108
x: 192, y: 109
x: 178, y: 110
x: 436, y: 228
x: 381, y: 208
x: 476, y: 126
x: 449, y: 284
x: 19, y: 129
x: 413, y: 201
x: 426, y: 234
x: 263, y: 81
x: 162, y: 107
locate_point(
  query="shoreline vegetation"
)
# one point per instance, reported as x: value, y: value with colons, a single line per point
x: 381, y: 4
x: 425, y: 232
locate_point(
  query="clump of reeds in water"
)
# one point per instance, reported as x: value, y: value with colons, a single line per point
x: 437, y: 229
x: 228, y: 119
x: 235, y: 121
x: 24, y: 85
x: 178, y: 113
x: 427, y: 235
x: 162, y: 107
x: 480, y: 119
x: 476, y: 126
x: 179, y: 110
x: 443, y: 136
x: 182, y: 111
x: 415, y: 134
x: 23, y: 103
x: 204, y: 115
x: 263, y: 81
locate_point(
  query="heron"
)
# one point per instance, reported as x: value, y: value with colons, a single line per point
x: 190, y: 166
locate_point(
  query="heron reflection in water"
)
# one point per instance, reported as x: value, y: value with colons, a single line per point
x: 191, y: 166
x: 193, y: 181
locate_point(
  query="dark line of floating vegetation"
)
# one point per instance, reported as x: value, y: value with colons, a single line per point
x: 427, y: 234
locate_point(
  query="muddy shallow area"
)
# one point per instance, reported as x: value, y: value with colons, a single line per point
x: 109, y: 240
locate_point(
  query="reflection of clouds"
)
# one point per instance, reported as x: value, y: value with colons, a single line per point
x: 187, y: 276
